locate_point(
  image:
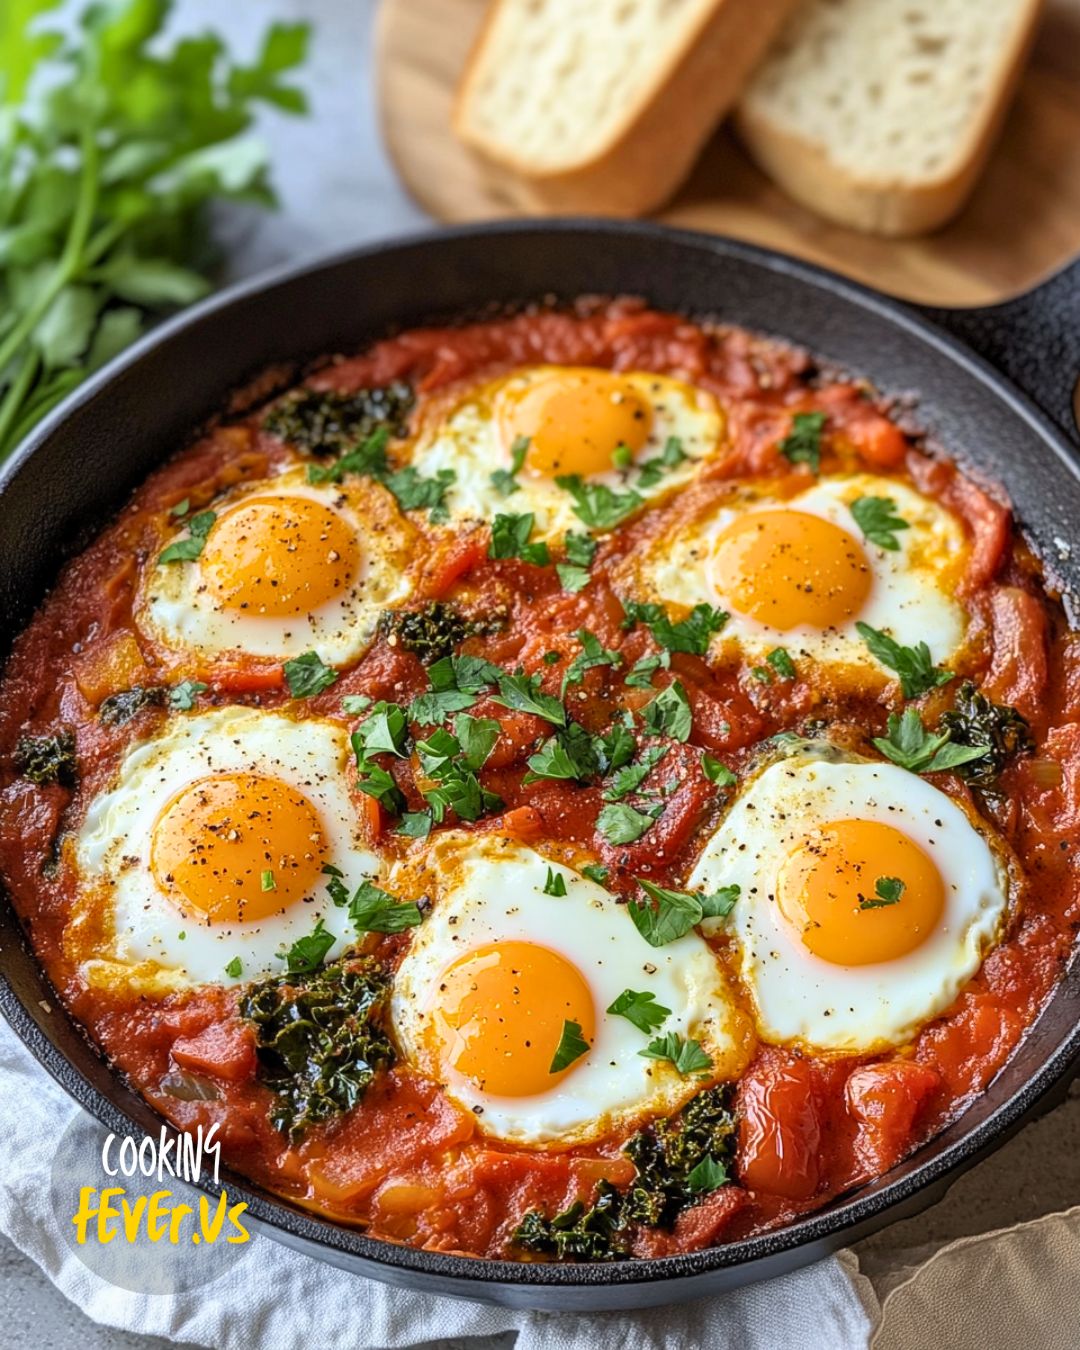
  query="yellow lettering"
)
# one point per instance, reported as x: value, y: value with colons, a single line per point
x: 176, y: 1220
x: 105, y: 1231
x: 85, y: 1213
x: 211, y: 1229
x: 133, y: 1217
x: 155, y: 1220
x: 242, y: 1233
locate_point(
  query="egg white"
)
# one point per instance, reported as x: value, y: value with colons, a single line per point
x: 492, y: 889
x: 799, y: 997
x: 149, y: 943
x: 912, y: 595
x: 469, y: 441
x: 178, y: 609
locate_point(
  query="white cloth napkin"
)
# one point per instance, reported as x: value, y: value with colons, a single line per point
x: 277, y: 1299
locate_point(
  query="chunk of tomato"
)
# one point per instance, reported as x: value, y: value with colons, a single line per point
x: 780, y: 1128
x: 886, y: 1100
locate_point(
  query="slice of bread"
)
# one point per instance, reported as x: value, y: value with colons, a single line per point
x: 603, y: 105
x: 880, y: 114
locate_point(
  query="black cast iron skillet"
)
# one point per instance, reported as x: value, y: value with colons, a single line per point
x: 970, y: 371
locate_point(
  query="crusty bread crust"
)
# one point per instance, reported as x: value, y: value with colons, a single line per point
x: 662, y: 131
x: 886, y: 203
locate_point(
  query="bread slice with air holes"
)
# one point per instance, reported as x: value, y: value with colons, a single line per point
x: 880, y: 114
x: 603, y: 105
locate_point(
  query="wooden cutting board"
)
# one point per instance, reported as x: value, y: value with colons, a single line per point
x: 1023, y: 220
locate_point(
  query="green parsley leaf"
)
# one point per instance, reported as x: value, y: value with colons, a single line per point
x: 367, y: 460
x: 555, y: 883
x: 477, y: 737
x: 182, y: 697
x: 593, y: 653
x: 620, y: 823
x: 693, y: 634
x: 456, y: 682
x: 235, y: 968
x: 416, y: 493
x: 762, y: 674
x: 377, y: 782
x: 415, y: 824
x: 630, y: 778
x: 185, y: 550
x: 914, y: 665
x: 569, y: 755
x: 597, y: 505
x: 887, y: 891
x: 669, y: 713
x: 266, y: 881
x: 580, y: 549
x: 355, y: 703
x: 672, y: 915
x: 687, y: 1055
x: 510, y: 539
x: 780, y: 660
x: 383, y: 731
x: 716, y: 772
x: 308, y: 953
x: 306, y: 675
x: 877, y: 518
x: 572, y: 578
x: 622, y: 456
x: 572, y: 1045
x: 614, y: 748
x: 504, y: 481
x: 719, y: 904
x: 181, y: 509
x: 641, y: 675
x: 372, y: 910
x: 522, y: 693
x: 653, y: 470
x: 802, y: 444
x: 552, y: 658
x: 910, y: 745
x: 596, y: 872
x: 708, y: 1175
x: 641, y: 1009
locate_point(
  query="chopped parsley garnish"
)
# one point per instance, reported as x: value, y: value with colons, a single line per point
x: 687, y: 1055
x: 266, y: 881
x: 504, y: 481
x: 877, y: 518
x: 621, y: 823
x: 456, y: 683
x: 762, y: 674
x: 235, y: 968
x: 596, y: 872
x: 377, y: 782
x: 780, y: 660
x: 802, y: 444
x: 669, y: 713
x: 522, y: 693
x: 415, y: 824
x: 477, y: 737
x: 597, y: 505
x: 673, y: 913
x: 571, y: 578
x: 368, y: 459
x: 615, y: 747
x: 641, y: 1009
x: 572, y: 1045
x: 716, y: 772
x: 510, y: 539
x: 629, y: 778
x: 574, y: 573
x: 570, y: 754
x: 372, y: 910
x: 914, y: 665
x: 693, y: 634
x: 653, y: 470
x: 552, y: 658
x: 709, y: 1175
x: 383, y: 731
x: 181, y: 508
x: 306, y: 675
x: 887, y: 891
x: 416, y: 493
x: 593, y: 653
x: 444, y: 759
x: 910, y: 745
x: 643, y: 670
x: 185, y: 550
x: 355, y: 703
x: 554, y: 883
x: 308, y: 953
x: 182, y: 697
x: 622, y: 456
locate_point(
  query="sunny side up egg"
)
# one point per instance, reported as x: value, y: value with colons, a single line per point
x: 624, y: 431
x: 210, y: 845
x: 500, y: 965
x: 868, y: 898
x: 285, y: 567
x: 798, y: 572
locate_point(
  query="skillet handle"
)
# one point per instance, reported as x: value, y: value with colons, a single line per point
x: 1033, y: 339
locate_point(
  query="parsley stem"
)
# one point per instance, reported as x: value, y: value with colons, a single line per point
x: 67, y: 264
x: 17, y: 391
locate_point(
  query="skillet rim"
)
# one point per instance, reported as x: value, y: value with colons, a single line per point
x: 842, y: 1220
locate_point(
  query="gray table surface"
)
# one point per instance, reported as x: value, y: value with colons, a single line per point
x: 337, y: 189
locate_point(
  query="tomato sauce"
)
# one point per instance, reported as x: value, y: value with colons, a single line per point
x: 406, y: 1162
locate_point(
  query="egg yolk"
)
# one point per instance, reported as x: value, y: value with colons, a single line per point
x: 787, y: 568
x: 237, y: 847
x: 279, y: 556
x: 500, y: 1011
x: 836, y: 888
x: 574, y: 420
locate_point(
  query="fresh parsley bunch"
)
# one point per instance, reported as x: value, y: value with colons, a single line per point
x: 113, y: 145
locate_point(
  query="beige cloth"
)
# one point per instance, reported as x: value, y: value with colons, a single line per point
x: 1012, y: 1289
